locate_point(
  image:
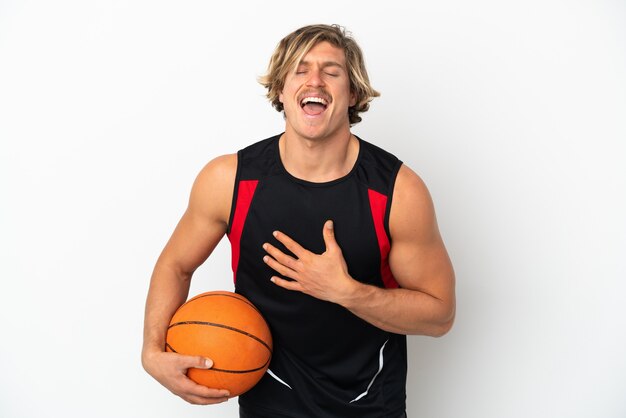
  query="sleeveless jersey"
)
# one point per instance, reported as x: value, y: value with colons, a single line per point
x: 326, y: 362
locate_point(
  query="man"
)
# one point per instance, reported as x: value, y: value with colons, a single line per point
x: 333, y: 239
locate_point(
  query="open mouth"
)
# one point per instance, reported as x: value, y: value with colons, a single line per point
x: 313, y: 106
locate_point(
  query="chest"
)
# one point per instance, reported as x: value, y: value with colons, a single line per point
x: 300, y: 211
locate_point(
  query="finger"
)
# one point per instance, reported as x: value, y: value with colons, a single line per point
x: 189, y: 388
x: 280, y: 268
x: 199, y: 397
x: 203, y: 400
x: 291, y: 245
x: 205, y: 392
x: 197, y: 362
x: 197, y: 400
x: 286, y: 284
x: 328, y: 233
x: 281, y: 257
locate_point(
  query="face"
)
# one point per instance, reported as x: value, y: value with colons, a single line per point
x: 316, y: 95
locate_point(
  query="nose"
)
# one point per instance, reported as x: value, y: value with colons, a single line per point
x: 315, y: 78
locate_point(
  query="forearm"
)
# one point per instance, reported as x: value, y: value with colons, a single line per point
x: 168, y: 290
x: 401, y: 311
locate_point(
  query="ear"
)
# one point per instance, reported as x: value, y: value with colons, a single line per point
x: 280, y: 97
x: 352, y: 99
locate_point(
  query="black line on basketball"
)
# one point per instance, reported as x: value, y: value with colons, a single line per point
x: 240, y: 371
x: 226, y: 295
x: 213, y: 324
x: 227, y: 370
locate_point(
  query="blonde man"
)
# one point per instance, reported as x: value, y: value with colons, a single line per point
x: 333, y: 239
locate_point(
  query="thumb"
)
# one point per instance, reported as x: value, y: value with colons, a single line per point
x: 199, y: 362
x: 329, y: 235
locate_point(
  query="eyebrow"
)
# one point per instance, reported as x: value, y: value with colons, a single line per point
x: 325, y: 64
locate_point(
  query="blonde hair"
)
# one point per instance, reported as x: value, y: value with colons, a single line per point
x: 292, y: 49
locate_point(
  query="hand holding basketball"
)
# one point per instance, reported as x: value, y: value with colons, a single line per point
x: 227, y: 328
x: 170, y: 369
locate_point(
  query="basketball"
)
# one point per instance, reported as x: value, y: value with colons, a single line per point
x: 228, y: 329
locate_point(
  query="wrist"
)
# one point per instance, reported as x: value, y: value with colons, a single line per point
x: 354, y: 294
x: 149, y: 352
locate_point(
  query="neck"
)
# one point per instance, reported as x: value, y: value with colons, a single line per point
x: 318, y: 160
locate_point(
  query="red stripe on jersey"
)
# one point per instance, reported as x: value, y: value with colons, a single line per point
x: 378, y: 204
x: 242, y: 205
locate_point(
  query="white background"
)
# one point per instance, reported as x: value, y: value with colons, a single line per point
x: 512, y: 112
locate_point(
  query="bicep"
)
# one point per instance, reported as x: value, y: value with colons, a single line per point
x: 205, y: 220
x: 418, y: 257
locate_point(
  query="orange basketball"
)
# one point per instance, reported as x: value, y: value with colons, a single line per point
x: 228, y: 329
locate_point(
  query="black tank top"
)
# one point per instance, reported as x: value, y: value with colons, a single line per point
x: 327, y: 362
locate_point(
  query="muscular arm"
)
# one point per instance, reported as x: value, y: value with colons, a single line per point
x: 199, y: 230
x: 425, y: 303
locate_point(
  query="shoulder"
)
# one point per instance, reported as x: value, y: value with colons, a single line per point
x: 409, y: 185
x: 219, y: 168
x: 373, y: 154
x: 212, y: 191
x: 217, y: 174
x: 260, y: 149
x: 412, y: 210
x: 377, y: 168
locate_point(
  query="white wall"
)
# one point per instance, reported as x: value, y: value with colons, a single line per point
x: 513, y: 113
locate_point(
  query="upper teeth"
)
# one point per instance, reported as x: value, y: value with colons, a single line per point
x: 313, y: 100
